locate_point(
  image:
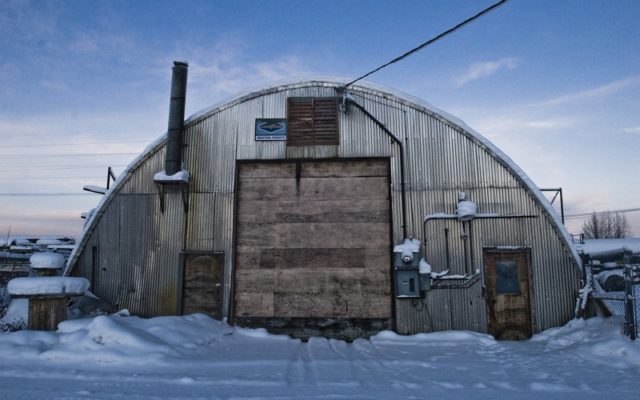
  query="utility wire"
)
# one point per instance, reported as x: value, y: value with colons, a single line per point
x: 430, y: 41
x: 65, y: 155
x: 582, y: 215
x: 81, y: 132
x: 47, y: 178
x: 50, y: 167
x: 58, y: 144
x: 44, y: 194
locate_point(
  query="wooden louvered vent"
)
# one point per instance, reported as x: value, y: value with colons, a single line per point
x: 312, y: 121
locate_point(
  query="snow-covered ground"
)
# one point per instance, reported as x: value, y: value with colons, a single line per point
x: 120, y: 356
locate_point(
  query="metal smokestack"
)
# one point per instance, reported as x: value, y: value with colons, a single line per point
x: 173, y: 159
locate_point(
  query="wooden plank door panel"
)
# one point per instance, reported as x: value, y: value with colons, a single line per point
x: 313, y: 245
x: 507, y: 281
x: 202, y: 284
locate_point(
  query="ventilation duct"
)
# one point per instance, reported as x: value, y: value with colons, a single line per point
x: 173, y: 159
x: 174, y: 177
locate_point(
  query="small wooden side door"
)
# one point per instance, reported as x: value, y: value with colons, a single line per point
x: 202, y: 284
x: 508, y: 296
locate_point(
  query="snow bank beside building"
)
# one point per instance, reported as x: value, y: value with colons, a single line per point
x: 194, y: 356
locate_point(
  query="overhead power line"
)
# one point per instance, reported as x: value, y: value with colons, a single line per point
x: 47, y: 178
x: 51, y: 167
x: 59, y: 144
x: 65, y: 155
x: 582, y: 215
x: 430, y: 41
x: 68, y: 132
x: 44, y: 194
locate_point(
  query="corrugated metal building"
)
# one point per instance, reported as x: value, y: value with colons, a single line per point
x: 296, y: 232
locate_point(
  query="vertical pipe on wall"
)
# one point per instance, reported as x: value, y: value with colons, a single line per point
x: 446, y: 249
x: 399, y: 143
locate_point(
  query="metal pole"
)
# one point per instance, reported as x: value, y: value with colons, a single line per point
x: 629, y: 303
x: 561, y: 206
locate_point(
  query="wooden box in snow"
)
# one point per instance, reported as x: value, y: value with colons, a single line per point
x: 48, y: 298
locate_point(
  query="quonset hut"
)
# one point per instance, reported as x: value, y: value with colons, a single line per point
x: 281, y: 209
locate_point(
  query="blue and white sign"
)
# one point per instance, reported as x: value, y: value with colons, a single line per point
x: 271, y: 129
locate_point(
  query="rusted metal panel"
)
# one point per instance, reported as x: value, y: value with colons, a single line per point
x: 312, y: 121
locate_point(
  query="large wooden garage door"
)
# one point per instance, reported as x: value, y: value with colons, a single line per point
x: 313, y: 247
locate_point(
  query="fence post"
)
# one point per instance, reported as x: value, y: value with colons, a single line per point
x: 629, y: 303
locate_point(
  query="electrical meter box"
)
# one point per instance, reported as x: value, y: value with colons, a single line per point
x: 407, y: 283
x: 406, y: 259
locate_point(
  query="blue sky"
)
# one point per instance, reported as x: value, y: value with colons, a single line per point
x: 85, y: 85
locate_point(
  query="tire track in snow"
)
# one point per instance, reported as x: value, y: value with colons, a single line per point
x: 300, y: 368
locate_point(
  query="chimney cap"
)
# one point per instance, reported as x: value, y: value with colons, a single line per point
x: 181, y: 63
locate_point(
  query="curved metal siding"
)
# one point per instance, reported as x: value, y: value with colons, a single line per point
x: 555, y: 278
x: 107, y: 286
x: 137, y: 268
x: 440, y: 160
x: 210, y: 153
x: 141, y: 180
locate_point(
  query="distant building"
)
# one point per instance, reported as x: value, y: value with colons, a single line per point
x: 15, y: 253
x: 288, y: 205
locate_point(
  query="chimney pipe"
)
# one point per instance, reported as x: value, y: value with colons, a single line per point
x: 173, y: 159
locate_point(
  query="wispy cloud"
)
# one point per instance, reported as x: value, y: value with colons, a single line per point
x: 484, y: 69
x: 557, y: 123
x: 227, y: 69
x: 25, y: 22
x: 633, y: 129
x: 104, y: 43
x: 599, y: 91
x: 515, y: 125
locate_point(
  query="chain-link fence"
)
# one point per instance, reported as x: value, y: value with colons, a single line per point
x: 615, y: 291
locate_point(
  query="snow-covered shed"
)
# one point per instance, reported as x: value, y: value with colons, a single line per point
x: 288, y: 204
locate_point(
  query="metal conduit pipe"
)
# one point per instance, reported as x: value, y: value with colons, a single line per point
x: 471, y: 252
x: 431, y: 217
x: 446, y: 249
x: 173, y: 157
x: 348, y: 100
x: 465, y: 244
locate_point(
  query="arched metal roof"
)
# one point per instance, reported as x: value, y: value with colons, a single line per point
x: 333, y: 82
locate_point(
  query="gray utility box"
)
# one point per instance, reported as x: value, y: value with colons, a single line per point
x: 407, y: 276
